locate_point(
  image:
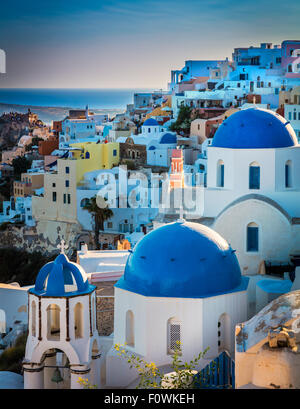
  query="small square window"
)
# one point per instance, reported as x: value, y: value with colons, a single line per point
x: 53, y: 184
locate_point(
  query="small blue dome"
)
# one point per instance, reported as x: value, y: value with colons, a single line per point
x: 61, y: 278
x: 254, y: 128
x: 152, y: 148
x: 168, y: 138
x: 150, y: 122
x: 182, y: 259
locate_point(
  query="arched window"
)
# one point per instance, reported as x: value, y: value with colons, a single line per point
x: 254, y: 176
x: 220, y: 173
x: 78, y: 320
x: 87, y: 155
x: 130, y: 328
x: 53, y: 322
x: 174, y: 335
x: 252, y: 237
x: 33, y: 319
x: 288, y: 174
x: 290, y: 68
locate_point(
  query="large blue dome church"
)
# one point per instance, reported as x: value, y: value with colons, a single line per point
x: 255, y: 128
x: 182, y: 259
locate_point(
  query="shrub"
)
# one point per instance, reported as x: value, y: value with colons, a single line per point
x: 12, y: 357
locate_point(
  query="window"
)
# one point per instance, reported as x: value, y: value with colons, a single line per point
x: 115, y: 152
x: 288, y: 174
x: 53, y: 321
x: 67, y: 183
x: 33, y: 319
x: 67, y: 169
x: 109, y: 225
x: 130, y: 328
x: 78, y: 320
x: 278, y: 60
x: 54, y: 196
x: 290, y: 116
x: 220, y: 173
x: 254, y: 176
x: 65, y: 200
x: 252, y: 237
x: 69, y: 198
x: 174, y: 335
x: 87, y: 155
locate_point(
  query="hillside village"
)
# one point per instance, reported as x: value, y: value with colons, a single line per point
x: 187, y: 201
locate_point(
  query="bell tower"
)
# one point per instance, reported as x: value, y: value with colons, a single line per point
x: 63, y: 340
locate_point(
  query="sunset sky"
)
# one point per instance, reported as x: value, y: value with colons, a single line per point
x: 130, y: 44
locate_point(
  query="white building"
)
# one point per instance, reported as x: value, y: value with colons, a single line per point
x: 76, y: 130
x: 253, y: 187
x: 63, y: 340
x: 182, y: 282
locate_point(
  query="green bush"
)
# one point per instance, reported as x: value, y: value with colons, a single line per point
x: 12, y: 357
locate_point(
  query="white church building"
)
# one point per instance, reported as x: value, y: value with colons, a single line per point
x: 253, y: 187
x: 182, y: 282
x: 63, y: 341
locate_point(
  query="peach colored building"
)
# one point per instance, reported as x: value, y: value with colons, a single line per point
x: 29, y: 182
x: 48, y: 146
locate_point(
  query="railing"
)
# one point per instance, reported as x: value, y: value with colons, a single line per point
x: 218, y: 374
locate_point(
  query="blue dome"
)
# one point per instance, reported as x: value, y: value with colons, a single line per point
x: 254, y: 128
x: 61, y: 278
x: 150, y: 122
x: 182, y: 259
x: 152, y: 148
x: 168, y: 138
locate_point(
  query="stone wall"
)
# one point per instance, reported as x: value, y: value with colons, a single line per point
x: 105, y: 307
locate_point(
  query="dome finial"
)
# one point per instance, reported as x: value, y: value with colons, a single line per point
x: 62, y: 246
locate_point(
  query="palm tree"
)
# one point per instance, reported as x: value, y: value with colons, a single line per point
x: 99, y: 214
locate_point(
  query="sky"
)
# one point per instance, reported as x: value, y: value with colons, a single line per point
x: 130, y: 44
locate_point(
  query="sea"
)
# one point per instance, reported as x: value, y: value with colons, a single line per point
x: 70, y: 98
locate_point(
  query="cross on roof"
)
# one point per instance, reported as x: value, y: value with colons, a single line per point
x: 62, y: 246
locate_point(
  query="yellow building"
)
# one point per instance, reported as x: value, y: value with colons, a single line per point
x: 59, y: 200
x: 92, y: 156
